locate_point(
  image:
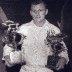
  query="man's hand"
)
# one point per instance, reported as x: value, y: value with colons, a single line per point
x: 8, y: 61
x: 61, y: 63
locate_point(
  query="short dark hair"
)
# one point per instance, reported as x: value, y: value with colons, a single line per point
x: 35, y: 2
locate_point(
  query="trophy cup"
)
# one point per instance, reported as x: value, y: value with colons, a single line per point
x: 11, y: 37
x: 57, y: 47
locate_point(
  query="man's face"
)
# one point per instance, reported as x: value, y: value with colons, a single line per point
x: 38, y: 12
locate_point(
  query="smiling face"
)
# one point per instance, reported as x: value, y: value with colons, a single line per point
x: 38, y: 12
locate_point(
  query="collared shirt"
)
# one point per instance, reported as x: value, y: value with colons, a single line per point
x: 34, y: 49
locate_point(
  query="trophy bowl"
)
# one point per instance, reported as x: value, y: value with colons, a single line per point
x: 53, y: 59
x: 11, y: 37
x: 57, y: 47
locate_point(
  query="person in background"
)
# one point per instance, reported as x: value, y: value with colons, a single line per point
x: 34, y: 51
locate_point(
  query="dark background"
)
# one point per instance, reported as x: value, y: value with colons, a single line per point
x: 18, y: 11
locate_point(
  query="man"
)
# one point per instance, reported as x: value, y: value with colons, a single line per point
x: 34, y: 51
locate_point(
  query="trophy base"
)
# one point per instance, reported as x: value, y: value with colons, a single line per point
x: 52, y: 62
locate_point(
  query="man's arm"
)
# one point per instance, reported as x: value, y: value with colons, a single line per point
x: 11, y: 57
x: 64, y: 53
x: 64, y: 59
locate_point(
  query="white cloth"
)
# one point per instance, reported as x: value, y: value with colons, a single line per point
x: 34, y: 50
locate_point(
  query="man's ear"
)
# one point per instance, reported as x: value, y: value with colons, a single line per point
x: 30, y: 13
x: 46, y: 11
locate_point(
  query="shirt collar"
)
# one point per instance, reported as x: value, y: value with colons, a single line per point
x: 46, y: 24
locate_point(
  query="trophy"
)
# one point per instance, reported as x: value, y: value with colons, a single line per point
x: 57, y: 47
x: 11, y: 37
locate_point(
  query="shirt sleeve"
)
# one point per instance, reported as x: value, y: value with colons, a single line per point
x: 7, y: 50
x: 15, y: 57
x: 10, y: 56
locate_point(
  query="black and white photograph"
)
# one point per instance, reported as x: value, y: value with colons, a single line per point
x: 35, y: 35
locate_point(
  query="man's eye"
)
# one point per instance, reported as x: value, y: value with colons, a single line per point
x: 40, y: 10
x: 33, y: 11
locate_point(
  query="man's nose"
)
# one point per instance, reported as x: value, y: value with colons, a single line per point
x: 37, y: 13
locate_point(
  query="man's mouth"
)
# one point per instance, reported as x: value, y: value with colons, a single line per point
x: 38, y: 17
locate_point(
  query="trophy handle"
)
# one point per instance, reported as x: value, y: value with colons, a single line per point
x: 22, y: 38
